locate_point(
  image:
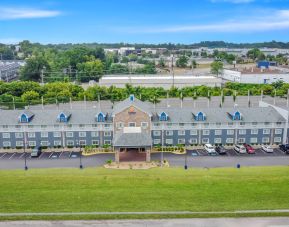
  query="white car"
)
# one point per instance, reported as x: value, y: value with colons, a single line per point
x: 240, y: 149
x: 267, y: 149
x: 210, y: 149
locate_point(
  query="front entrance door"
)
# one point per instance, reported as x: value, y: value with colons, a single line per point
x: 132, y: 155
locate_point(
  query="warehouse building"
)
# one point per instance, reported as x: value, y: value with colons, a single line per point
x: 135, y: 126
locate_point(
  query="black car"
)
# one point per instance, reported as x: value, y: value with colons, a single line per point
x: 284, y: 147
x: 221, y: 150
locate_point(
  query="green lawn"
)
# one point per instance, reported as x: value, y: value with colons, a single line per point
x: 168, y: 189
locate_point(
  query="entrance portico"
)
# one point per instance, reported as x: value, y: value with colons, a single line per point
x: 132, y: 147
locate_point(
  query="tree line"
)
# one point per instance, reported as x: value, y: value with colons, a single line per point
x: 22, y: 93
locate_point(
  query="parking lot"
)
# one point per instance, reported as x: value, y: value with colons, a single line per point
x: 43, y: 155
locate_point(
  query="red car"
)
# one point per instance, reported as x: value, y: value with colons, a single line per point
x: 249, y: 148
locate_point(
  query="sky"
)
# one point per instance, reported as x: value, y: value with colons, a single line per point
x: 143, y: 21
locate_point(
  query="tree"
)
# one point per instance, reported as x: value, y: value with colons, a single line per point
x: 255, y: 54
x: 162, y: 63
x: 30, y: 96
x: 216, y: 67
x: 90, y: 70
x: 194, y: 64
x: 147, y: 69
x: 182, y: 62
x: 118, y: 69
x: 34, y: 66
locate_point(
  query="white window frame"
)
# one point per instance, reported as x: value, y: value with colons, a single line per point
x: 254, y: 140
x: 278, y: 131
x: 6, y: 135
x: 119, y: 125
x: 95, y: 142
x: 169, y: 141
x: 230, y: 141
x: 31, y: 135
x: 169, y: 132
x: 193, y: 141
x: 266, y: 131
x: 205, y: 140
x: 57, y: 134
x: 94, y: 134
x: 6, y: 144
x: 107, y: 134
x: 242, y: 131
x: 181, y: 132
x: 19, y: 143
x: 57, y: 143
x: 32, y: 143
x: 157, y: 141
x: 230, y: 132
x: 254, y: 131
x: 44, y: 143
x: 194, y: 132
x: 18, y: 135
x: 107, y: 142
x: 241, y: 140
x: 157, y: 133
x: 131, y: 124
x: 44, y: 134
x: 218, y: 140
x: 82, y: 134
x: 144, y: 125
x: 69, y: 134
x: 266, y: 140
x: 70, y: 143
x: 218, y: 132
x: 182, y: 141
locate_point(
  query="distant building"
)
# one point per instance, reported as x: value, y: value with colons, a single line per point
x: 164, y: 81
x: 9, y: 72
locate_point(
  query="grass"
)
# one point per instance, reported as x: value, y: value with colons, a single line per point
x: 168, y: 189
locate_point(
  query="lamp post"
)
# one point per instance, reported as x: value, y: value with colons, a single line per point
x: 186, y: 159
x: 80, y: 154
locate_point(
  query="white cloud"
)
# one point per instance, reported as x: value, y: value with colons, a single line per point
x: 10, y: 40
x: 25, y: 13
x: 277, y: 20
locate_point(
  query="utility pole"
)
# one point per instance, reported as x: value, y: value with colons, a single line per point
x: 173, y: 73
x: 42, y: 76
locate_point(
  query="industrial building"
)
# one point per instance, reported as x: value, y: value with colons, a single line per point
x: 164, y: 81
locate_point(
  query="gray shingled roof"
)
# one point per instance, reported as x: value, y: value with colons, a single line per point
x: 132, y: 140
x: 144, y: 106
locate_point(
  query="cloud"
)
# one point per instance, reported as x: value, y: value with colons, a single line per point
x: 25, y: 13
x: 10, y: 40
x: 233, y: 1
x: 277, y: 20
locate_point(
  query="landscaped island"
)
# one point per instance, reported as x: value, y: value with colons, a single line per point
x: 167, y: 189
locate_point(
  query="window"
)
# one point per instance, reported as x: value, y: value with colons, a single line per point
x: 169, y: 141
x: 169, y: 133
x: 230, y: 124
x: 119, y: 125
x: 242, y: 132
x: 81, y: 126
x: 206, y: 132
x: 229, y: 140
x: 194, y: 125
x: 31, y: 134
x: 69, y: 126
x: 18, y: 135
x: 5, y: 126
x: 30, y: 126
x: 181, y: 132
x: 43, y: 126
x: 131, y: 124
x: 157, y: 141
x: 254, y: 140
x: 230, y: 132
x: 94, y: 125
x: 32, y: 143
x: 278, y: 131
x: 200, y: 117
x: 6, y: 144
x: 218, y: 132
x: 237, y: 116
x: 267, y: 123
x: 169, y: 125
x: 57, y: 134
x: 206, y: 125
x: 242, y: 123
x: 6, y: 135
x: 62, y: 117
x: 181, y: 141
x: 163, y: 116
x: 193, y: 132
x: 57, y: 143
x: 69, y: 134
x: 157, y: 133
x: 277, y: 140
x: 205, y: 140
x: 266, y: 131
x: 278, y: 123
x: 82, y: 142
x: 44, y: 143
x: 194, y: 141
x: 218, y: 124
x: 70, y: 143
x: 254, y: 131
x: 44, y: 134
x: 107, y: 142
x: 157, y: 124
x: 24, y: 118
x: 241, y: 140
x: 106, y: 125
x: 95, y: 142
x: 94, y: 134
x: 82, y: 134
x: 18, y: 126
x: 181, y: 124
x: 144, y: 125
x: 100, y: 117
x: 107, y: 134
x: 265, y: 140
x: 218, y: 140
x: 56, y: 126
x: 254, y: 123
x: 19, y: 143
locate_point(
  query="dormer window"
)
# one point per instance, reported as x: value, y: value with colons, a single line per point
x: 100, y: 117
x: 200, y: 116
x: 163, y: 116
x: 237, y: 116
x: 63, y: 117
x: 131, y: 98
x: 25, y: 117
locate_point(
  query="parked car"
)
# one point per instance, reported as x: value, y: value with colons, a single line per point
x: 221, y: 150
x: 267, y: 149
x: 249, y: 148
x: 210, y: 149
x: 284, y: 147
x: 36, y: 152
x: 240, y: 149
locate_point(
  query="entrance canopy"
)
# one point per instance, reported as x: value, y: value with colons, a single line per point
x: 132, y: 140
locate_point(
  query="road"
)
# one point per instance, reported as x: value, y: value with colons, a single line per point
x: 196, y: 222
x: 195, y: 158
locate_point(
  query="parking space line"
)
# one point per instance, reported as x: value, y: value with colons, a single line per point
x: 41, y: 155
x: 70, y: 154
x: 12, y: 155
x: 21, y: 155
x: 51, y: 154
x: 60, y: 154
x: 3, y: 155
